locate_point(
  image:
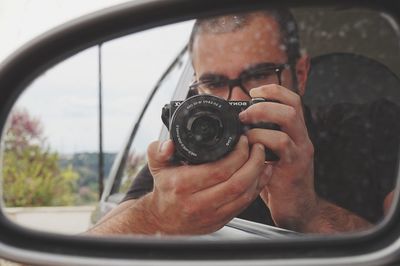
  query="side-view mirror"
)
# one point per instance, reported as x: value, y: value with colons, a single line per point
x: 337, y: 72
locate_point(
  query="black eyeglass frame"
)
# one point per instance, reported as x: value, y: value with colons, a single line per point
x: 238, y: 82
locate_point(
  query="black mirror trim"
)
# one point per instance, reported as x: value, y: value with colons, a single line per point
x: 47, y: 50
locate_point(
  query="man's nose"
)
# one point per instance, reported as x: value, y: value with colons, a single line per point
x: 238, y: 94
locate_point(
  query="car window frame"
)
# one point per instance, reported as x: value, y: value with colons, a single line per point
x: 111, y: 196
x: 117, y: 170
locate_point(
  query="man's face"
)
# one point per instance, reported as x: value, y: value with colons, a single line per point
x: 233, y: 53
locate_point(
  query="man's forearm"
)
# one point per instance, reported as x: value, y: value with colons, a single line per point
x: 129, y: 217
x: 330, y: 218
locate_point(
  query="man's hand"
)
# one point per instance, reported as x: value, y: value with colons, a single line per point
x: 190, y: 199
x: 290, y: 193
x: 197, y: 199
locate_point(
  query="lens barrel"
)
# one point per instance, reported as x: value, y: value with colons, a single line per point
x: 204, y: 128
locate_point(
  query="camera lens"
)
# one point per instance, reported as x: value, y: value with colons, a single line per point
x: 205, y: 128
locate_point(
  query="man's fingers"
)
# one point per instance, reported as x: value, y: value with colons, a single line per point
x: 283, y: 115
x: 203, y: 176
x: 281, y: 94
x: 277, y: 141
x: 188, y: 179
x: 158, y: 154
x: 238, y: 204
x: 244, y: 183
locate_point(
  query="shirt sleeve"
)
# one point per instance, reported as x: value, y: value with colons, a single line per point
x: 142, y: 184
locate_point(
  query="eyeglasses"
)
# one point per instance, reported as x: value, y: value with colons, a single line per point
x: 255, y: 76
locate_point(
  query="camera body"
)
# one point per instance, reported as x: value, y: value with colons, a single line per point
x: 205, y: 128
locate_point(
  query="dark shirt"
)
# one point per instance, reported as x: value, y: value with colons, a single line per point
x: 355, y: 161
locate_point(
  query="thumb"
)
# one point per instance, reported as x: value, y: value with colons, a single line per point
x: 266, y: 175
x: 265, y: 196
x: 158, y: 154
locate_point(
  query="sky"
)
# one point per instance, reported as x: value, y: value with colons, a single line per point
x: 64, y: 98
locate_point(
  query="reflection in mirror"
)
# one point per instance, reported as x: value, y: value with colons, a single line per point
x: 301, y: 138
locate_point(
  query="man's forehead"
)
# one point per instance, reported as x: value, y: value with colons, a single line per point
x: 259, y: 32
x: 234, y: 26
x: 257, y: 41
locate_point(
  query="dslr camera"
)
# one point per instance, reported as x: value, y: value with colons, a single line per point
x: 205, y: 128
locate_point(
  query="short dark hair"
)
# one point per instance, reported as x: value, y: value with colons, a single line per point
x: 230, y: 23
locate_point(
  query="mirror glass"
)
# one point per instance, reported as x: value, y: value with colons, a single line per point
x: 270, y: 124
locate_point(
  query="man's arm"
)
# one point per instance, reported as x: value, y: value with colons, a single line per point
x: 318, y: 216
x: 129, y: 217
x: 329, y: 218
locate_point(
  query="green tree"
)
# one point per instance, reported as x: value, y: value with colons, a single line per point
x: 31, y: 171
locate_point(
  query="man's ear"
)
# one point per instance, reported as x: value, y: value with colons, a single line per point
x: 302, y: 68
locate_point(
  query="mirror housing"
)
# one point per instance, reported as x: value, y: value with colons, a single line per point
x: 20, y: 69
